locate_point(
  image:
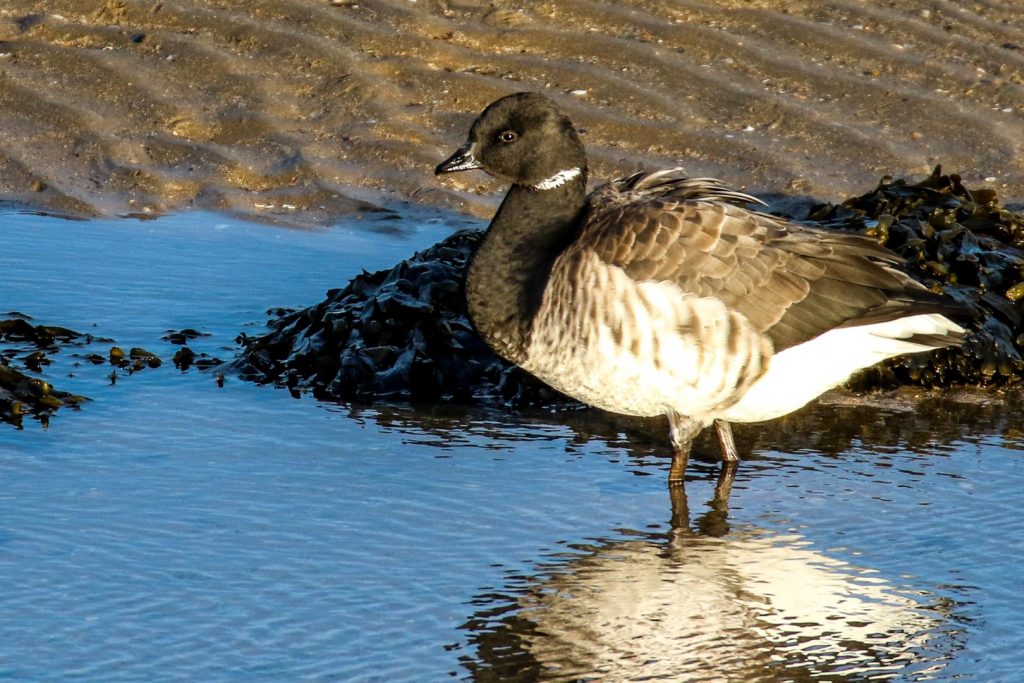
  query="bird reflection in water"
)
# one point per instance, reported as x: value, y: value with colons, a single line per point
x: 720, y: 598
x: 705, y: 602
x: 714, y: 522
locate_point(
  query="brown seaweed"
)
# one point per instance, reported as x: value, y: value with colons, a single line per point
x: 35, y: 348
x: 960, y: 242
x: 184, y: 336
x: 20, y: 393
x: 17, y: 329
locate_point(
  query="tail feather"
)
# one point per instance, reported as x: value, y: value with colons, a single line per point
x: 921, y: 332
x: 938, y: 341
x: 916, y: 300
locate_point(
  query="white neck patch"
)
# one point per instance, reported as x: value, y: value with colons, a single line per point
x: 557, y: 180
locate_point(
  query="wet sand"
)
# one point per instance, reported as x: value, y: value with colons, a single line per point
x: 299, y: 111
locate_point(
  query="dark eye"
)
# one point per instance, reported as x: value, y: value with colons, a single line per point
x: 508, y: 136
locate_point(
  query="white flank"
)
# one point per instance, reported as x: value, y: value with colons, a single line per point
x: 557, y: 180
x: 803, y: 372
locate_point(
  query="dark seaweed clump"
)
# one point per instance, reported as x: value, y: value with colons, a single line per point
x: 185, y: 357
x: 34, y: 349
x: 404, y: 332
x: 20, y: 393
x: 957, y: 241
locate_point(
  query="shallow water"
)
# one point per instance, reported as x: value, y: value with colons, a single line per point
x: 175, y: 530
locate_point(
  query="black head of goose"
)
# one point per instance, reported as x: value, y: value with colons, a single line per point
x: 662, y: 295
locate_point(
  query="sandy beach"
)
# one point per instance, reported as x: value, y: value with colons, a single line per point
x: 298, y: 111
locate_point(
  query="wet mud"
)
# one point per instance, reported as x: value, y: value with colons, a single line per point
x: 296, y: 111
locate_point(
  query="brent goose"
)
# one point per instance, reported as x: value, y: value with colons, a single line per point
x: 662, y: 295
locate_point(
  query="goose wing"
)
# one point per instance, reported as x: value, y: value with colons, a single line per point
x: 791, y: 282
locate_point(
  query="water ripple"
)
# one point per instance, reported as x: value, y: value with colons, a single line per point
x: 173, y: 530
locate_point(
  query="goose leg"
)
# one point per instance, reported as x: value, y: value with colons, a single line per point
x: 730, y: 462
x: 682, y: 431
x: 726, y: 443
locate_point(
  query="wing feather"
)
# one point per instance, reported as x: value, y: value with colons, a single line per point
x: 792, y: 282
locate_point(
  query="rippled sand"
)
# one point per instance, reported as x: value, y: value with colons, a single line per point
x: 298, y: 110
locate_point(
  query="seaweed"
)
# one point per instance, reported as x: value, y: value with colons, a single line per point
x: 960, y: 242
x: 20, y: 393
x: 34, y: 347
x: 401, y: 333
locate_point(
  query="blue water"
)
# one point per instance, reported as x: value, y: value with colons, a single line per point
x: 176, y: 530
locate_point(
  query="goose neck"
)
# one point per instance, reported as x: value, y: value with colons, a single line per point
x: 510, y: 269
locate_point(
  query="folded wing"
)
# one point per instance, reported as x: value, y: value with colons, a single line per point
x: 791, y: 282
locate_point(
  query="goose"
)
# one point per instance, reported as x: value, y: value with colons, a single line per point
x: 658, y: 294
